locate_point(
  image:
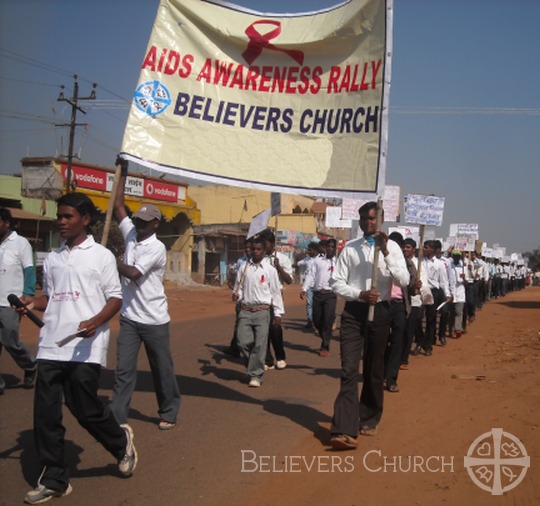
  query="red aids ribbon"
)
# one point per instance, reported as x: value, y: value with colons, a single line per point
x: 258, y: 42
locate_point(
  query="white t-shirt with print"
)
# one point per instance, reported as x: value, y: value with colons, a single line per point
x: 78, y: 282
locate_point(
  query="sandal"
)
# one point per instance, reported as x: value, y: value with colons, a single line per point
x: 369, y: 431
x: 343, y: 442
x: 393, y: 388
x: 404, y: 367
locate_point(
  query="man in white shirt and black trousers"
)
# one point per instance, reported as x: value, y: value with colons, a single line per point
x: 81, y: 293
x: 319, y: 279
x: 360, y: 339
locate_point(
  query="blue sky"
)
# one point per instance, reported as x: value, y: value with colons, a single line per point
x: 464, y: 102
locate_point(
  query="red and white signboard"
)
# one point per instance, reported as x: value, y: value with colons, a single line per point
x: 95, y: 179
x: 83, y: 177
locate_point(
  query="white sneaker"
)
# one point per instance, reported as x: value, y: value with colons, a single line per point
x: 268, y: 367
x: 281, y: 364
x: 43, y: 494
x: 128, y: 463
x: 254, y: 383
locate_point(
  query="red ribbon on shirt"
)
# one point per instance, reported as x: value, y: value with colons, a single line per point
x: 258, y: 42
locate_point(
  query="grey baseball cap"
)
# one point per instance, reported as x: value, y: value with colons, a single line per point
x: 148, y: 212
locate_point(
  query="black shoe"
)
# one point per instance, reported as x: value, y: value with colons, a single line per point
x: 428, y: 353
x: 29, y: 378
x: 442, y: 340
x: 416, y: 350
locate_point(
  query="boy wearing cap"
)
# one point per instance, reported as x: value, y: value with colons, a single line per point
x: 144, y: 317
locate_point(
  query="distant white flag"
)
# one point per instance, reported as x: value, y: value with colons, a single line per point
x: 259, y: 223
x: 291, y: 103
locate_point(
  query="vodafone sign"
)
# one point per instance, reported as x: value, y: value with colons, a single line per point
x: 161, y: 191
x: 95, y: 179
x: 84, y: 177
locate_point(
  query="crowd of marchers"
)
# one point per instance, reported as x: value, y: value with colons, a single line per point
x: 400, y: 302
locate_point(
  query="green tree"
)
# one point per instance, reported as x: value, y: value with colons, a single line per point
x: 534, y: 259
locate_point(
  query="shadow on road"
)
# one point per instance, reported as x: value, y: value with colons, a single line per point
x: 520, y: 304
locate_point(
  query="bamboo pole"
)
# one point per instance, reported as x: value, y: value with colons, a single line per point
x: 375, y: 272
x: 421, y: 250
x: 110, y: 207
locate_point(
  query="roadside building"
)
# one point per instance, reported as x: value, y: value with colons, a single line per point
x: 45, y: 178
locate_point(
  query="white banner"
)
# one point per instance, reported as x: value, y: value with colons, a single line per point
x: 407, y: 233
x: 424, y: 209
x: 259, y: 222
x: 289, y: 103
x: 350, y: 208
x: 333, y: 218
x: 390, y: 205
x: 462, y: 242
x: 462, y: 229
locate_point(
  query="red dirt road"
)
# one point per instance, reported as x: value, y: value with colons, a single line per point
x: 235, y: 445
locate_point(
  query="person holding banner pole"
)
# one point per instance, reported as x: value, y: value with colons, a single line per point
x: 144, y: 317
x: 360, y: 339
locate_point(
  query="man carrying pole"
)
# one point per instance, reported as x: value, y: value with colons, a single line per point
x: 360, y: 338
x: 144, y: 317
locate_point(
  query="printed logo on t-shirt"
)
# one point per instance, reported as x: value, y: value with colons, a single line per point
x: 73, y: 296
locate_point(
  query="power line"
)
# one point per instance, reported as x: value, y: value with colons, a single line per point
x: 477, y: 111
x: 28, y: 82
x: 30, y: 61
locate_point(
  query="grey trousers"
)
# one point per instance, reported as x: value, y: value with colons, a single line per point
x: 155, y: 339
x: 9, y: 339
x: 252, y: 338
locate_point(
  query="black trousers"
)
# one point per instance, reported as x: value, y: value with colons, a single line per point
x: 396, y: 341
x: 413, y: 321
x: 324, y: 316
x: 361, y: 341
x: 275, y: 339
x: 429, y: 338
x: 78, y: 384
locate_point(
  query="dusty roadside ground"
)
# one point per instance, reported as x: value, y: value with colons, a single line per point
x: 235, y: 445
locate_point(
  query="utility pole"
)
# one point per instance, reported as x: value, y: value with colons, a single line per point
x: 74, y: 108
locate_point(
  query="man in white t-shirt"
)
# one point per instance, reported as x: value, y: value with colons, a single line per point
x: 144, y: 317
x: 17, y: 276
x: 81, y: 293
